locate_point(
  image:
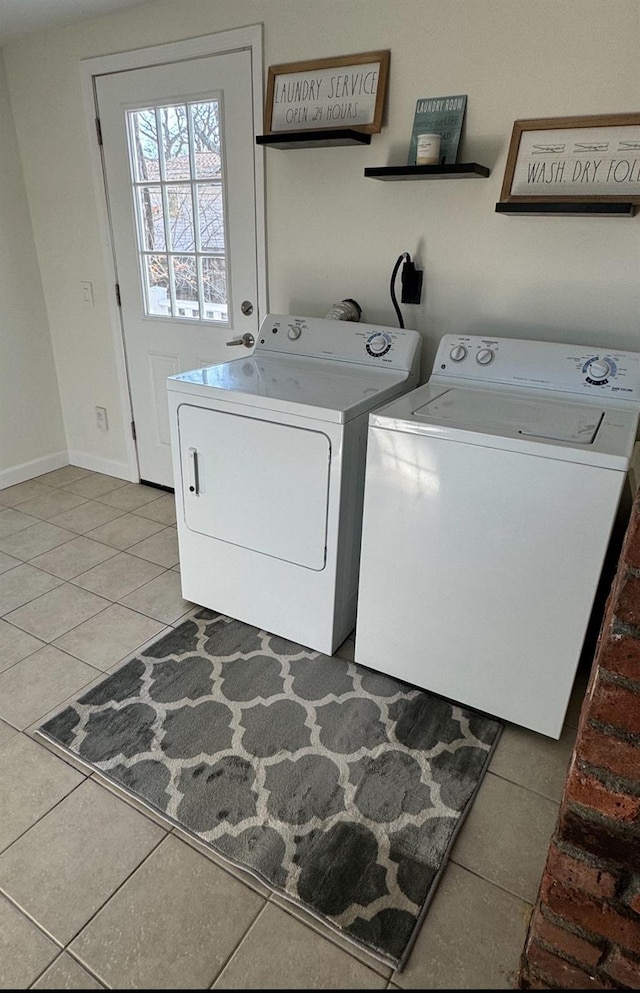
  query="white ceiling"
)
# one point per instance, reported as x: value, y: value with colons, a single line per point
x: 19, y: 17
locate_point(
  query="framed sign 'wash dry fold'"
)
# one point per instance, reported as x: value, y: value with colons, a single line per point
x: 342, y: 92
x: 575, y: 159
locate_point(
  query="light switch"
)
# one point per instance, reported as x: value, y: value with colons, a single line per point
x: 87, y: 293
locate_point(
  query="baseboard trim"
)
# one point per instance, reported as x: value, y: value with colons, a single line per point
x: 121, y: 470
x: 47, y: 463
x: 29, y: 470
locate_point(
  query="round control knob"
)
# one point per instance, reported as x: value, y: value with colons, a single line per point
x: 484, y: 356
x: 599, y: 369
x: 377, y: 344
x: 293, y: 332
x: 457, y: 353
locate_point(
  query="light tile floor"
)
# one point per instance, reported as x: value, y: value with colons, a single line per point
x: 97, y: 893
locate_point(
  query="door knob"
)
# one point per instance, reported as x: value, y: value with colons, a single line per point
x: 247, y: 340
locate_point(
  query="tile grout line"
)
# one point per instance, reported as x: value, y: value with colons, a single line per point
x: 45, y: 644
x: 530, y: 789
x: 235, y: 950
x: 67, y: 946
x: 26, y: 831
x: 73, y: 579
x: 57, y: 958
x: 119, y: 602
x: 81, y: 534
x: 327, y: 933
x: 491, y: 882
x: 64, y: 946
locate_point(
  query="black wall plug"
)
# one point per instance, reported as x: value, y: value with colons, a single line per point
x: 411, y: 282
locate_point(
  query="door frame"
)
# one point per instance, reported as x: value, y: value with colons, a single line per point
x: 247, y: 38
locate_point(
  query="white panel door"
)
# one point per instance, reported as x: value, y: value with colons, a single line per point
x: 179, y: 162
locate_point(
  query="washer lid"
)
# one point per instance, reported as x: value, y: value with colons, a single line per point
x: 529, y: 422
x: 513, y: 415
x: 312, y: 387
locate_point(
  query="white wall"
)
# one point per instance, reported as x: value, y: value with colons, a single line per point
x: 331, y: 232
x: 32, y: 438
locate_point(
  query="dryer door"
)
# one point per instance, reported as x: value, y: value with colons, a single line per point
x: 256, y: 483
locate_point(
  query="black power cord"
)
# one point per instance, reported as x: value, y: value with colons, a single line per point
x: 401, y: 258
x: 411, y: 283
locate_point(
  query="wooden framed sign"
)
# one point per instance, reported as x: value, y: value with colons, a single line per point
x: 575, y: 159
x: 343, y: 92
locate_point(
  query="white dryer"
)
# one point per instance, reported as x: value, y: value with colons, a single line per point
x: 490, y: 496
x: 268, y: 455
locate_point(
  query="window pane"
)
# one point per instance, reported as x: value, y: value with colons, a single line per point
x: 185, y: 277
x: 205, y: 123
x: 151, y: 218
x: 211, y: 218
x: 214, y: 288
x: 175, y: 142
x: 180, y: 218
x: 144, y: 144
x: 156, y: 272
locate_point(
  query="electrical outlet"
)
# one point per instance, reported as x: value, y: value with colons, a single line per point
x: 101, y: 418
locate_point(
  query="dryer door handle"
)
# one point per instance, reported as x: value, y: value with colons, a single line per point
x: 194, y: 473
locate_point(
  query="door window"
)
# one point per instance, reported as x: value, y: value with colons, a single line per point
x: 176, y: 161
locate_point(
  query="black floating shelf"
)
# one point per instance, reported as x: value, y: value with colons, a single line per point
x: 564, y: 209
x: 457, y: 170
x: 314, y: 139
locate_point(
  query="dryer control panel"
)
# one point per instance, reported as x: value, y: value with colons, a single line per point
x: 340, y: 341
x: 578, y: 369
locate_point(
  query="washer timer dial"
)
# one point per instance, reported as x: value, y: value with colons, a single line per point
x: 484, y: 356
x: 378, y: 344
x: 599, y: 370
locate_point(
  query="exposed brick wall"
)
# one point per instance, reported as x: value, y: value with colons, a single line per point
x: 585, y: 928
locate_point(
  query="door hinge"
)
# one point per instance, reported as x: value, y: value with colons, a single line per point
x: 118, y: 300
x: 133, y: 430
x: 98, y: 131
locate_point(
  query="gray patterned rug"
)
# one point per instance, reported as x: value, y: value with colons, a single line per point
x: 337, y: 786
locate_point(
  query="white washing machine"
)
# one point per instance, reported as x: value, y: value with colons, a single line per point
x: 490, y: 496
x: 268, y: 455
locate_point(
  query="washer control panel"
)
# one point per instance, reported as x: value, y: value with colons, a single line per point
x: 538, y: 365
